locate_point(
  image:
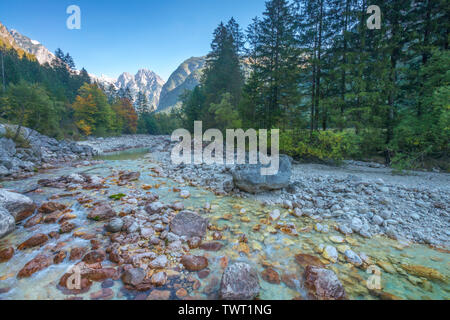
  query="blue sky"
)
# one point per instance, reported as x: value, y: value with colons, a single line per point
x: 127, y: 35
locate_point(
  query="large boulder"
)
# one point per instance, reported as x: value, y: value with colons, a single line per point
x: 19, y: 206
x: 323, y: 284
x: 239, y: 282
x: 248, y: 177
x: 7, y: 223
x: 189, y: 224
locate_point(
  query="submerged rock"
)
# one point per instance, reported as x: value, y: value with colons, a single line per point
x: 194, y: 263
x: 239, y: 282
x: 323, y: 284
x: 102, y: 212
x: 133, y: 276
x: 37, y: 264
x: 6, y: 254
x: 189, y: 224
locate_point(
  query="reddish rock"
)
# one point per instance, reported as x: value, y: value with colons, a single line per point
x: 115, y: 257
x: 159, y: 279
x: 6, y: 254
x: 102, y: 212
x: 68, y: 285
x: 67, y: 227
x: 204, y: 273
x: 181, y: 293
x: 194, y: 242
x: 34, y: 241
x: 131, y: 176
x: 290, y: 280
x: 134, y: 276
x: 271, y: 276
x: 77, y: 253
x: 194, y: 263
x: 104, y: 294
x: 52, y: 217
x: 99, y: 275
x: 59, y: 257
x: 323, y: 284
x: 49, y: 207
x: 94, y: 256
x: 211, y: 246
x: 34, y: 220
x: 159, y: 295
x: 37, y: 264
x: 308, y: 260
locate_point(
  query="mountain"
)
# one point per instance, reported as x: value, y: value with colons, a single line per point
x: 7, y: 41
x: 145, y: 81
x: 42, y: 54
x: 185, y: 77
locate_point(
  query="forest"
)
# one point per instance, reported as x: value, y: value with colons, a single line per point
x: 313, y: 69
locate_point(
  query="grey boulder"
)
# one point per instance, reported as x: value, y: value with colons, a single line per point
x: 239, y: 282
x: 248, y: 177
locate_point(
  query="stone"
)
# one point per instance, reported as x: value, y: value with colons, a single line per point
x: 101, y: 212
x: 115, y: 225
x: 323, y: 284
x: 131, y: 176
x: 308, y: 260
x: 37, y: 264
x: 94, y: 256
x: 67, y: 227
x: 50, y: 207
x: 77, y: 253
x: 353, y: 258
x: 275, y: 215
x: 154, y: 208
x: 159, y: 262
x: 239, y: 282
x: 248, y: 177
x: 271, y: 276
x: 159, y: 279
x: 6, y: 254
x: 159, y: 295
x: 194, y: 263
x: 103, y: 294
x: 377, y: 220
x: 7, y: 222
x: 133, y: 276
x: 189, y: 224
x: 330, y: 253
x: 34, y: 241
x: 185, y: 194
x: 194, y: 242
x: 211, y: 246
x: 59, y: 257
x: 356, y: 224
x: 19, y: 206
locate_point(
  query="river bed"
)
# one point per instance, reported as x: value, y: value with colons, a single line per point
x: 407, y: 270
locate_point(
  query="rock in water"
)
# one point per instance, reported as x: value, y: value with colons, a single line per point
x: 133, y: 276
x: 7, y: 223
x: 102, y: 212
x: 248, y: 177
x: 189, y: 224
x: 19, y: 206
x: 323, y: 284
x: 239, y: 282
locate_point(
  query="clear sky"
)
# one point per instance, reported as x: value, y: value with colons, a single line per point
x: 127, y: 35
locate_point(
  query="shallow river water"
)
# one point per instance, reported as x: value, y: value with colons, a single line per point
x: 273, y: 244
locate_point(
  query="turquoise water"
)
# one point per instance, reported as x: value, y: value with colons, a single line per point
x: 269, y: 244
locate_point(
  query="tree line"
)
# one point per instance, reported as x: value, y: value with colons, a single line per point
x: 59, y: 102
x: 335, y: 88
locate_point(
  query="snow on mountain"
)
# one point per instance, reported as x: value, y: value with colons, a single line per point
x: 145, y: 81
